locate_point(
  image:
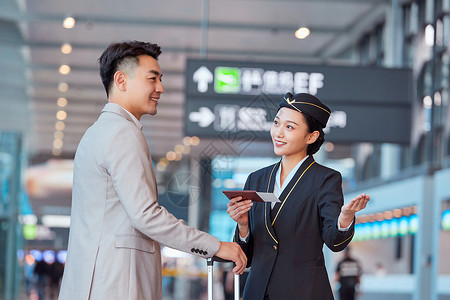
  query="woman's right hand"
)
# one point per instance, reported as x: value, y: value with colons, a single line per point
x: 238, y: 211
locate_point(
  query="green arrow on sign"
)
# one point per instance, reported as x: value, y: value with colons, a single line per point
x: 227, y: 80
x: 29, y: 231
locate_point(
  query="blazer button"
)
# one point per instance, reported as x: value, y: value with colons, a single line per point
x: 196, y: 250
x: 275, y: 247
x: 192, y: 250
x: 205, y: 252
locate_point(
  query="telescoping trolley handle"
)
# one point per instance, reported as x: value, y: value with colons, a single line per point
x: 210, y: 263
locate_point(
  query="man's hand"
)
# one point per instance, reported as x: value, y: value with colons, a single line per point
x: 232, y: 251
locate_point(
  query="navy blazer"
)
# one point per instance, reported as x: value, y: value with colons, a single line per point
x: 286, y: 257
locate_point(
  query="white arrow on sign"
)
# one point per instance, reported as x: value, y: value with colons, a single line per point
x: 203, y: 77
x: 204, y: 116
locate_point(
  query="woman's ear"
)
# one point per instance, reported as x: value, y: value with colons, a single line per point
x: 120, y: 80
x: 313, y: 136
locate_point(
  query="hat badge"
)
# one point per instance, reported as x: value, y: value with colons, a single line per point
x: 289, y: 100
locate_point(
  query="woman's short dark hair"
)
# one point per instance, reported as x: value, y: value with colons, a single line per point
x: 117, y: 52
x: 314, y: 125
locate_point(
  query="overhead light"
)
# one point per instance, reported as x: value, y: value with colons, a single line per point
x: 195, y: 140
x: 66, y: 48
x: 62, y: 102
x: 63, y: 87
x: 302, y: 33
x: 427, y: 102
x: 439, y: 33
x: 437, y: 99
x: 57, y: 143
x: 187, y: 140
x: 60, y: 125
x: 61, y: 115
x: 171, y: 155
x: 58, y: 134
x: 64, y: 69
x: 160, y: 166
x: 429, y: 35
x: 69, y: 22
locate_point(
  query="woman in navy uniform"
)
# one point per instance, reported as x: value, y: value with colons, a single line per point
x: 283, y: 242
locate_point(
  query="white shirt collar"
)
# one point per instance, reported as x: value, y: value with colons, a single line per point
x: 133, y: 118
x: 279, y: 189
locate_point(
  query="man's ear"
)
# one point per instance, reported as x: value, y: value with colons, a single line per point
x: 120, y: 80
x: 313, y: 136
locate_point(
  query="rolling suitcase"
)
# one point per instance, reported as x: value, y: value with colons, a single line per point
x: 210, y: 263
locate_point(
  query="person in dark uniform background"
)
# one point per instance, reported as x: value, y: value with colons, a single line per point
x: 283, y: 242
x: 348, y: 273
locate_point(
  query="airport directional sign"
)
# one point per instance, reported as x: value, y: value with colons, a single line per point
x: 369, y: 104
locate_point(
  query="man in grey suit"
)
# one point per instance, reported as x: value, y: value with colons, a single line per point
x: 117, y: 224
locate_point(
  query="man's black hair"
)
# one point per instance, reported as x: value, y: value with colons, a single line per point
x: 117, y: 52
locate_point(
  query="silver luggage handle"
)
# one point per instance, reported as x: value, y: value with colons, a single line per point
x: 210, y: 263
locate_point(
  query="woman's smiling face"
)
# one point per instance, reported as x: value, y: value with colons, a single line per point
x: 290, y: 133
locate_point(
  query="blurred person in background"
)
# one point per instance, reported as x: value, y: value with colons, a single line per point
x: 28, y: 270
x: 41, y: 271
x: 56, y: 270
x: 284, y: 241
x: 348, y: 274
x: 116, y: 222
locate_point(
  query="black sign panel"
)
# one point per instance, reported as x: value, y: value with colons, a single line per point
x: 241, y: 99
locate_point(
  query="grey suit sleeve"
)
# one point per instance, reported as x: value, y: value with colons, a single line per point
x: 131, y: 170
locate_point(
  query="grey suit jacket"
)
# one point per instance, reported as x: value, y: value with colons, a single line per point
x: 116, y: 223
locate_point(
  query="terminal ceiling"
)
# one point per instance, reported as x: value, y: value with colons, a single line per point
x: 242, y: 30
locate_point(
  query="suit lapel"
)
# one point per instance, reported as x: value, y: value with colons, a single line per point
x: 267, y: 209
x: 295, y: 181
x: 271, y: 179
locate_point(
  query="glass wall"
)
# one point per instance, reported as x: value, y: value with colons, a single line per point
x: 10, y: 228
x: 230, y: 175
x: 425, y: 48
x: 444, y: 239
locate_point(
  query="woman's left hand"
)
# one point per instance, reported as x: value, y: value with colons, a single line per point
x: 348, y: 210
